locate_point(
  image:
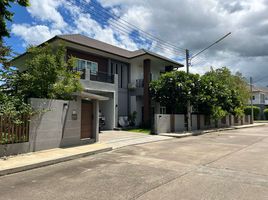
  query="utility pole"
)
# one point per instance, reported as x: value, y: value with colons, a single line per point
x: 189, y: 117
x: 251, y: 101
x: 189, y: 109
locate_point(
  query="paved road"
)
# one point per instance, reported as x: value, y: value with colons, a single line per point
x: 226, y: 165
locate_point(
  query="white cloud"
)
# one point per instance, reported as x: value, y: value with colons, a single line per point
x: 186, y: 23
x: 33, y: 35
x: 46, y: 10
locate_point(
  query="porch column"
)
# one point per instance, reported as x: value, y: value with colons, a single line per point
x: 146, y: 97
x: 96, y: 120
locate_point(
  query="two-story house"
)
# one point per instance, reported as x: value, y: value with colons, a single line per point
x: 117, y: 77
x: 260, y: 99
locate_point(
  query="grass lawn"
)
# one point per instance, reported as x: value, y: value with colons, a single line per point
x: 139, y: 130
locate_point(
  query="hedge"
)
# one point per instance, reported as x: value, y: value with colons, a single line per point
x: 256, y: 111
x: 265, y: 112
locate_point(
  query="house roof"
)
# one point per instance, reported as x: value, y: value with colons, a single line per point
x: 102, y: 46
x: 259, y: 89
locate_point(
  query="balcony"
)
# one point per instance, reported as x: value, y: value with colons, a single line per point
x: 99, y: 81
x: 136, y: 88
x: 99, y: 76
x: 139, y: 83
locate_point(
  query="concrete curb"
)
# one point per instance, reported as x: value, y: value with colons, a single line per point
x: 196, y: 133
x: 52, y: 162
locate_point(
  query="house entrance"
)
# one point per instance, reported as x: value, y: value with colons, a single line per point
x: 86, y: 119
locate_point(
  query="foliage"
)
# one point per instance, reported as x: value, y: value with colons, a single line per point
x: 6, y: 15
x: 47, y: 74
x: 222, y: 93
x: 256, y: 111
x: 216, y: 93
x: 175, y: 89
x: 265, y: 112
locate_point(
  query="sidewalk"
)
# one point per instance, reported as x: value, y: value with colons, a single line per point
x: 201, y: 132
x: 37, y: 159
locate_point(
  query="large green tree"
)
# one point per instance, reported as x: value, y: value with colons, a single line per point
x: 216, y: 93
x: 222, y: 93
x: 174, y: 89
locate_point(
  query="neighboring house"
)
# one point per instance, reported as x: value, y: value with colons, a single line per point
x: 260, y: 99
x: 115, y: 78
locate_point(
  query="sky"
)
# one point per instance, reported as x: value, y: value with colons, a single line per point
x: 174, y: 24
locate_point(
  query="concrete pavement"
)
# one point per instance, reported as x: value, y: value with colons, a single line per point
x: 118, y: 139
x: 37, y: 159
x: 224, y: 165
x: 108, y: 140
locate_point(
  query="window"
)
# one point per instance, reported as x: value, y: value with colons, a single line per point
x: 85, y: 64
x: 163, y: 110
x: 253, y: 97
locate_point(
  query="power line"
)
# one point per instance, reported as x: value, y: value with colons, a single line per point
x: 134, y: 26
x: 193, y: 56
x: 126, y: 29
x: 260, y: 79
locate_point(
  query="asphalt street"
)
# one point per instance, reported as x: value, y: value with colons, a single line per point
x: 224, y: 165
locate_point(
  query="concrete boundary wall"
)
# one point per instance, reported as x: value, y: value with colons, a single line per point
x: 164, y: 122
x: 58, y: 126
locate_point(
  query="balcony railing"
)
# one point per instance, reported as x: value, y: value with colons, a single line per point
x: 99, y: 76
x: 139, y: 83
x: 102, y: 77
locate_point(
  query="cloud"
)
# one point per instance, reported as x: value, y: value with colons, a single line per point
x: 195, y: 24
x: 46, y: 10
x: 188, y: 24
x: 35, y: 34
x: 52, y: 23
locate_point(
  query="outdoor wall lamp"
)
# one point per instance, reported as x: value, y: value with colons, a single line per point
x: 65, y: 106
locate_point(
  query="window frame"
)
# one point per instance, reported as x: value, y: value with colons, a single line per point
x: 86, y: 66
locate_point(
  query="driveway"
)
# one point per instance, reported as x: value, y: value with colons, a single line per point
x: 118, y: 139
x: 225, y: 165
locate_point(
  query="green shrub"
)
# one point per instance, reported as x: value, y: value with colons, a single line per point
x: 256, y: 111
x: 265, y: 112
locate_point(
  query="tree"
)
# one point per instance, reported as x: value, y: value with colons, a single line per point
x: 174, y: 89
x: 216, y: 93
x: 47, y: 74
x: 223, y: 93
x: 214, y: 97
x: 6, y: 15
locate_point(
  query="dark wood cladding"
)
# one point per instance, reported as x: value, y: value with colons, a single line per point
x: 86, y: 120
x: 102, y: 62
x: 146, y: 97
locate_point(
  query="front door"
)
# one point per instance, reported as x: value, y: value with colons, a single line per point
x: 86, y: 119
